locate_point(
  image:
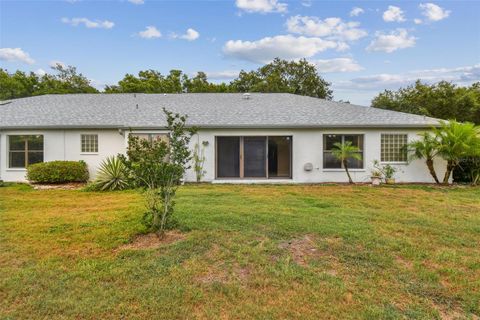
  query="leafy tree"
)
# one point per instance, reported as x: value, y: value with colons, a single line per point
x: 425, y: 148
x: 457, y: 141
x: 158, y: 167
x: 345, y: 151
x: 66, y: 80
x: 442, y: 100
x: 284, y: 76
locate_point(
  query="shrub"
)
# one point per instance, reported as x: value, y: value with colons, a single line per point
x: 111, y: 176
x: 468, y: 171
x: 58, y: 172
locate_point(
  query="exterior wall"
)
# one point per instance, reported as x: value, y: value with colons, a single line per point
x: 63, y: 145
x: 307, y: 147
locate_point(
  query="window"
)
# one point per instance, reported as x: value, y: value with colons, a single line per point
x: 253, y: 157
x: 151, y: 136
x: 393, y: 148
x: 89, y: 143
x: 330, y: 162
x: 24, y: 150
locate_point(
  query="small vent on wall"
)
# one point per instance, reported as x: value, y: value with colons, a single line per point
x: 246, y: 96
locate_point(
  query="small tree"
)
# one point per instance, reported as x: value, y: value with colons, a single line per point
x: 345, y: 151
x: 158, y: 168
x: 425, y: 148
x: 457, y: 141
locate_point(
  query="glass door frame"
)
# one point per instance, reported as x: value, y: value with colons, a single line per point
x: 242, y: 154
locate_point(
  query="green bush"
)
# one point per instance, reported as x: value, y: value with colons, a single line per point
x: 58, y: 172
x: 467, y: 171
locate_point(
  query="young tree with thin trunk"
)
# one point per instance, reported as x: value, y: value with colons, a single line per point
x: 345, y: 151
x: 158, y: 167
x: 425, y: 148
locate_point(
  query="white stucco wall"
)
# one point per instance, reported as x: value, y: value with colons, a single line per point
x: 63, y: 145
x: 307, y: 146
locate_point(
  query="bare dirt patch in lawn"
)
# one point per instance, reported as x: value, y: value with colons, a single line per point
x: 220, y: 274
x: 62, y: 186
x: 303, y: 249
x: 152, y: 241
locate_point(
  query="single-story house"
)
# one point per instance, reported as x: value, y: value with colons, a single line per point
x: 271, y: 137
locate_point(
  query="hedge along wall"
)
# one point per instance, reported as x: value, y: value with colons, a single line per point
x: 58, y: 172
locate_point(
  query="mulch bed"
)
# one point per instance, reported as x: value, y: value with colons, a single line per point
x: 62, y: 186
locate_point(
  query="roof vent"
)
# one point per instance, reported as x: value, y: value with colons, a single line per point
x: 246, y: 96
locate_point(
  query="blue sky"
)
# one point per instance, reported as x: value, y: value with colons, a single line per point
x: 362, y: 47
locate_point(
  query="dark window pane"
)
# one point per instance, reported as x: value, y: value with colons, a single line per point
x: 228, y: 157
x: 330, y: 162
x: 35, y: 143
x: 355, y: 139
x: 17, y: 159
x: 279, y: 156
x: 16, y: 143
x: 255, y: 154
x: 35, y: 157
x: 330, y: 140
x: 354, y: 163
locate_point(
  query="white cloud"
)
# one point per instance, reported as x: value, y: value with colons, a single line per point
x: 393, y: 14
x: 432, y: 12
x: 337, y: 65
x: 54, y: 63
x: 40, y: 72
x: 395, y: 40
x: 190, y: 35
x: 150, y: 32
x: 15, y: 54
x: 333, y: 28
x: 261, y: 6
x: 307, y: 3
x: 136, y: 1
x: 460, y: 75
x: 356, y: 11
x: 283, y: 46
x: 89, y: 23
x: 417, y: 21
x: 223, y: 75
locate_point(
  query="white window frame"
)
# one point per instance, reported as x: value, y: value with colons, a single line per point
x: 24, y: 168
x: 342, y: 133
x: 81, y: 143
x: 381, y: 147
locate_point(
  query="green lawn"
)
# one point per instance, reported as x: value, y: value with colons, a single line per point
x: 262, y: 252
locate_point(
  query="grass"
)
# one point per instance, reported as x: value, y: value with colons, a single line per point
x: 263, y: 252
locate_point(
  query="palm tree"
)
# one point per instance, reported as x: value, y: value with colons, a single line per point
x: 345, y: 151
x: 456, y: 141
x: 425, y: 148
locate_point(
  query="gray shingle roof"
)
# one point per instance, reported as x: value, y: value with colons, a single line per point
x: 218, y: 110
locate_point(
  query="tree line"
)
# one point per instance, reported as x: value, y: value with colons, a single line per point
x: 443, y: 100
x: 297, y: 77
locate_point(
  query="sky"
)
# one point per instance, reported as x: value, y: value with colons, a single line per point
x: 360, y: 47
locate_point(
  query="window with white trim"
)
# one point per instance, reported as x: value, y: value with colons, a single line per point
x: 329, y: 141
x: 89, y: 143
x: 393, y: 147
x: 24, y: 150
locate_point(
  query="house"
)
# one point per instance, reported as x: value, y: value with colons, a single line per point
x: 256, y: 137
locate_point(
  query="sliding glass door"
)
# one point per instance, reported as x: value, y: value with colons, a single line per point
x: 279, y: 157
x: 228, y: 157
x: 254, y: 157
